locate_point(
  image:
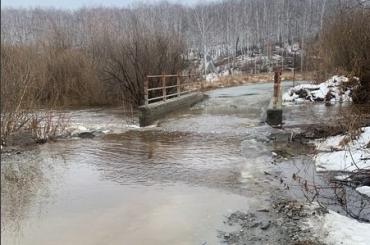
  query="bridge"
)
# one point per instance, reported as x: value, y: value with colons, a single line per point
x: 165, y: 93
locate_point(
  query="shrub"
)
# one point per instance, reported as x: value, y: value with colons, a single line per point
x: 345, y: 44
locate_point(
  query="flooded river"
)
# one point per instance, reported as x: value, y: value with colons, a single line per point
x: 169, y: 184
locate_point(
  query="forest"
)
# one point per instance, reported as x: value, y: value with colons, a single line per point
x: 54, y: 58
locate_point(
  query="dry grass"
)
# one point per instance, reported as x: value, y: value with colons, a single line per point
x: 235, y: 80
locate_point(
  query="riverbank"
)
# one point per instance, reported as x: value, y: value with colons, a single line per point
x: 308, y: 206
x: 51, y: 125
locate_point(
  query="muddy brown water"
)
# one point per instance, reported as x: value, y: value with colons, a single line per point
x: 170, y: 184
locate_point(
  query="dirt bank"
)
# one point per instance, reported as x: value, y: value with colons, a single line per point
x: 282, y: 223
x: 242, y: 79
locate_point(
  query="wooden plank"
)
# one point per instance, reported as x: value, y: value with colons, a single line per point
x: 159, y: 88
x: 172, y: 95
x: 187, y: 86
x: 153, y: 89
x: 155, y: 98
x: 161, y: 97
x: 187, y: 83
x: 172, y: 75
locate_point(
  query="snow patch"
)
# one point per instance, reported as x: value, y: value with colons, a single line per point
x: 330, y: 144
x: 344, y: 157
x: 330, y: 90
x: 343, y: 160
x: 343, y: 230
x: 342, y: 177
x: 365, y: 190
x: 337, y: 142
x: 332, y: 228
x: 212, y: 77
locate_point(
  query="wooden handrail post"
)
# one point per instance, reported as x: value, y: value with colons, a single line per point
x: 178, y: 85
x: 277, y: 80
x: 146, y: 96
x: 182, y: 80
x: 164, y: 91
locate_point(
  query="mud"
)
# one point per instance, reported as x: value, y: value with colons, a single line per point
x: 282, y: 223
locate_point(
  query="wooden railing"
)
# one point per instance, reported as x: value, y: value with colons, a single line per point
x: 277, y: 88
x: 163, y: 87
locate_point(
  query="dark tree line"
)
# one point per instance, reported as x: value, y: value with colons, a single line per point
x: 224, y: 27
x: 101, y: 55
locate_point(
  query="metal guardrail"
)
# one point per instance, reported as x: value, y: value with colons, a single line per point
x: 169, y: 86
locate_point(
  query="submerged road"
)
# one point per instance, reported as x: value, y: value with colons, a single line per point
x: 170, y: 184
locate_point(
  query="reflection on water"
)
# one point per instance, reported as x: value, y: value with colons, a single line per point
x: 141, y: 187
x: 128, y: 187
x: 168, y: 185
x: 25, y: 189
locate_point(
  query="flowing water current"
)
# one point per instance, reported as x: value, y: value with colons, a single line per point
x: 169, y: 184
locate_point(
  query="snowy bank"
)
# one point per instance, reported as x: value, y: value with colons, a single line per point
x: 75, y: 130
x: 215, y: 77
x: 336, y: 154
x: 347, y: 161
x: 331, y: 90
x: 338, y: 142
x: 364, y: 190
x: 334, y: 228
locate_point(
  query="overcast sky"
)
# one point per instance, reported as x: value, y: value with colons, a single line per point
x: 75, y: 4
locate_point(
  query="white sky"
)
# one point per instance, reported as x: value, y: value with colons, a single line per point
x: 75, y: 4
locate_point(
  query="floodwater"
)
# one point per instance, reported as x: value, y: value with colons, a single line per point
x: 169, y: 184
